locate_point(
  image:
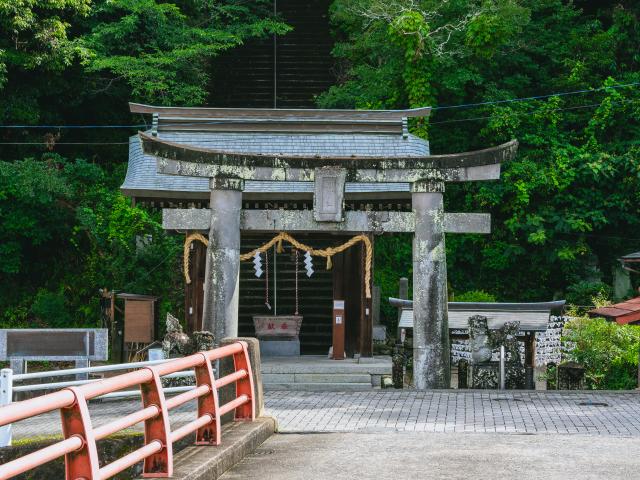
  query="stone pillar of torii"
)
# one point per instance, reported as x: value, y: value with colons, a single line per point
x: 225, y: 219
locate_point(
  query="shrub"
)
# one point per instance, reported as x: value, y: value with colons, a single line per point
x: 474, y: 296
x: 582, y: 293
x: 608, y: 351
x: 50, y: 309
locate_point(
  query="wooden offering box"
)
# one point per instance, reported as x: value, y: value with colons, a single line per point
x: 277, y: 325
x: 278, y: 334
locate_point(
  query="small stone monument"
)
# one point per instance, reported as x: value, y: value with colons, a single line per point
x: 485, y: 373
x: 479, y: 339
x: 507, y: 336
x: 570, y: 376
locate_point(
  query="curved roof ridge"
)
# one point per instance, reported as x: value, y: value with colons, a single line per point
x: 175, y: 150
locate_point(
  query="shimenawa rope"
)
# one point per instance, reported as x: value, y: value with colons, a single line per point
x: 284, y: 236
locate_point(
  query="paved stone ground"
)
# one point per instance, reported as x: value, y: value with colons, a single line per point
x: 379, y: 411
x: 614, y: 414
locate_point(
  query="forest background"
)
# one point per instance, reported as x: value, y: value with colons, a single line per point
x: 562, y: 214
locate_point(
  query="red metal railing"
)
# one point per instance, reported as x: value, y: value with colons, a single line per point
x: 80, y: 436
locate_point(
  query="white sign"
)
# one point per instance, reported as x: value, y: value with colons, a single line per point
x: 338, y: 304
x: 155, y: 354
x: 338, y: 320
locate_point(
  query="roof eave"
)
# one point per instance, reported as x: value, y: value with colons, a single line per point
x: 203, y: 112
x: 177, y: 151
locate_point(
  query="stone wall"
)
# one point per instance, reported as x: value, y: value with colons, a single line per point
x: 548, y: 345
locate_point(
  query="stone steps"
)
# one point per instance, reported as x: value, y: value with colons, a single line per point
x: 319, y: 387
x: 318, y: 373
x: 316, y: 378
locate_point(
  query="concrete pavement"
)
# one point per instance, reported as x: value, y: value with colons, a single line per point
x: 397, y: 435
x: 450, y: 456
x: 390, y: 434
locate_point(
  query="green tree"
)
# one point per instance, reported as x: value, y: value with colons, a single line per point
x: 164, y: 50
x: 65, y: 229
x: 66, y: 232
x: 567, y: 206
x: 80, y: 62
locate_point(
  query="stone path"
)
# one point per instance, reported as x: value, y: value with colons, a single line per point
x: 379, y: 411
x: 376, y: 411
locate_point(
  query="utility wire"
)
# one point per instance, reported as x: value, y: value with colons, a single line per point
x: 533, y: 112
x: 457, y: 120
x: 444, y: 107
x: 64, y: 143
x: 73, y: 126
x: 537, y: 97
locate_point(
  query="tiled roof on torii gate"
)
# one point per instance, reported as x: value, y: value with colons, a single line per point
x: 241, y: 136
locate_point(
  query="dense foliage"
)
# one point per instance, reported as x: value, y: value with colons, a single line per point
x: 65, y: 232
x: 567, y: 207
x: 65, y: 229
x: 80, y: 61
x: 608, y: 351
x: 564, y: 210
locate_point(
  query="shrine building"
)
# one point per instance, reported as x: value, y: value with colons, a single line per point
x: 239, y: 177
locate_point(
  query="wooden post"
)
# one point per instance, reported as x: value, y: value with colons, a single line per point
x: 114, y: 354
x: 366, y: 309
x: 338, y: 329
x: 530, y: 360
x: 403, y: 292
x: 339, y: 292
x: 194, y: 292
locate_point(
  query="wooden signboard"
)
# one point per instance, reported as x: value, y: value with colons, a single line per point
x: 139, y: 320
x: 338, y: 330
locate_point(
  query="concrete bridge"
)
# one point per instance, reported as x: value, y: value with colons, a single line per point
x: 447, y: 434
x: 376, y: 433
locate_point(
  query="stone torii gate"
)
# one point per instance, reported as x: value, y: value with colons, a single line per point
x: 427, y: 175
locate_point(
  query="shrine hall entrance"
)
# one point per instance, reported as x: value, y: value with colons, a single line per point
x: 275, y: 291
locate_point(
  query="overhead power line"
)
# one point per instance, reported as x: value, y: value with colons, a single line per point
x: 444, y: 107
x: 531, y: 113
x: 455, y: 120
x: 538, y: 97
x: 74, y: 126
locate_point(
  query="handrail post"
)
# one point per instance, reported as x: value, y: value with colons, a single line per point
x: 76, y: 422
x: 158, y: 428
x: 244, y: 386
x: 208, y: 405
x: 6, y: 397
x: 502, y: 368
